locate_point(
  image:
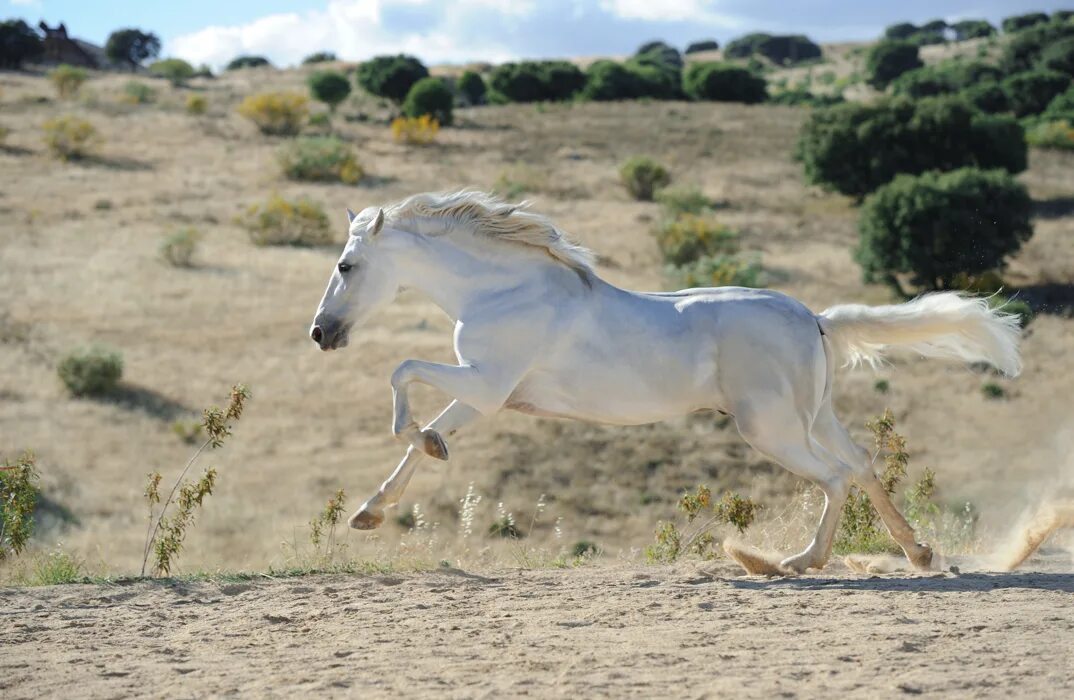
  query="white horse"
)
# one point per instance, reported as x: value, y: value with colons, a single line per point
x: 537, y: 331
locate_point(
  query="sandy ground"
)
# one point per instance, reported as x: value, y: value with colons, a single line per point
x: 693, y: 630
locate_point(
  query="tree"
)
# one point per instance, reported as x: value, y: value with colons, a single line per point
x: 472, y: 87
x: 430, y: 96
x: 887, y: 60
x: 703, y: 45
x: 723, y: 82
x: 319, y: 57
x: 391, y: 76
x: 938, y: 226
x: 973, y: 29
x: 536, y: 81
x: 330, y: 87
x: 240, y: 62
x: 1017, y: 23
x: 132, y: 46
x: 1030, y: 92
x: 19, y: 43
x: 175, y: 70
x: 662, y: 52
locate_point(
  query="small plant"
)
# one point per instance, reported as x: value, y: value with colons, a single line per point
x: 165, y: 535
x: 320, y: 159
x: 55, y: 568
x: 584, y: 549
x: 70, y: 138
x: 671, y: 542
x: 881, y: 386
x: 196, y: 105
x: 642, y: 177
x: 419, y: 131
x: 179, y: 247
x: 677, y: 201
x: 18, y: 498
x: 321, y: 120
x: 738, y: 270
x: 994, y: 391
x: 174, y: 70
x: 323, y: 528
x: 430, y: 97
x: 67, y: 80
x: 93, y: 371
x: 276, y: 113
x: 689, y: 237
x: 736, y: 510
x: 504, y: 525
x: 137, y: 93
x: 1058, y: 135
x: 330, y: 87
x: 1018, y: 307
x: 279, y: 221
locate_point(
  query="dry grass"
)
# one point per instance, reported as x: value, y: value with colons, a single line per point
x: 77, y: 274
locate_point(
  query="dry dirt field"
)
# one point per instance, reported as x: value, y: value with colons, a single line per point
x: 689, y: 631
x: 79, y: 264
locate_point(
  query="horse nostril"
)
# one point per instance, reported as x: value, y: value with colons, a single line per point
x: 316, y: 334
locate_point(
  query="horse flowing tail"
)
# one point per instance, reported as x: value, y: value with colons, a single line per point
x: 942, y: 324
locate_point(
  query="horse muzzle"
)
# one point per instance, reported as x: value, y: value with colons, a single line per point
x: 330, y: 334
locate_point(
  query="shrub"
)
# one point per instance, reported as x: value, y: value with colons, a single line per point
x: 319, y: 57
x: 1032, y: 91
x: 936, y: 226
x: 18, y: 499
x: 69, y: 138
x: 991, y: 390
x: 67, y: 79
x: 1062, y: 107
x: 138, y: 93
x: 1017, y: 23
x: 276, y: 113
x: 855, y: 148
x: 781, y: 50
x: 654, y: 77
x: 990, y: 98
x: 391, y: 76
x: 178, y: 248
x: 430, y: 96
x: 900, y: 30
x: 300, y: 222
x: 131, y: 46
x: 686, y: 238
x: 738, y: 270
x: 804, y: 97
x: 196, y: 104
x: 642, y: 177
x: 472, y: 87
x: 419, y: 131
x: 723, y: 82
x: 703, y: 45
x: 330, y: 87
x: 671, y: 542
x: 174, y: 70
x: 639, y: 77
x: 19, y: 43
x: 677, y: 201
x: 1059, y: 56
x: 945, y: 78
x: 973, y: 29
x: 537, y: 81
x: 93, y: 371
x: 240, y: 62
x: 1024, y: 50
x: 320, y: 159
x: 660, y: 52
x: 887, y: 60
x: 1058, y: 135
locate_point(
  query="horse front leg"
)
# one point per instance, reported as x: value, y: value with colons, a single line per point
x: 371, y: 514
x: 485, y: 391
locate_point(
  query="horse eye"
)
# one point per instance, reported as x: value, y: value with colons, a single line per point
x: 343, y: 268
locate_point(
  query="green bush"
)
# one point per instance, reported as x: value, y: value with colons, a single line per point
x: 685, y: 238
x: 240, y: 62
x: 174, y: 70
x: 138, y: 93
x: 799, y: 97
x: 19, y: 43
x: 1024, y: 50
x: 723, y: 82
x: 738, y: 270
x: 1062, y: 107
x: 178, y: 248
x: 703, y: 45
x: 67, y: 79
x: 641, y: 76
x: 677, y: 201
x: 537, y: 81
x: 945, y: 78
x: 1031, y: 92
x: 887, y: 60
x: 854, y: 148
x: 391, y: 76
x: 93, y: 371
x: 320, y: 159
x: 938, y: 226
x: 1057, y: 135
x: 900, y: 31
x: 472, y: 87
x: 973, y: 29
x: 319, y: 57
x: 660, y: 52
x: 1059, y: 56
x: 656, y: 77
x: 782, y: 50
x: 330, y: 87
x: 276, y: 113
x: 990, y: 98
x: 642, y: 177
x: 131, y: 46
x: 1017, y: 23
x: 279, y: 221
x: 430, y: 96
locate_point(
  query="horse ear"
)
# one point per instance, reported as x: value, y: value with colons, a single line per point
x: 351, y: 216
x: 375, y: 225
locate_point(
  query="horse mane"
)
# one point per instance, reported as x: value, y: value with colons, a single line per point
x: 434, y: 213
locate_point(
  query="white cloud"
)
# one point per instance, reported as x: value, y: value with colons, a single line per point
x: 26, y: 3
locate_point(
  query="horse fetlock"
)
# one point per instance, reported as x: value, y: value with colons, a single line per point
x: 799, y: 563
x: 432, y: 444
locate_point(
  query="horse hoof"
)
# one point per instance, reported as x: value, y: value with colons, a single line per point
x: 921, y: 558
x: 434, y: 445
x: 799, y: 564
x: 366, y: 520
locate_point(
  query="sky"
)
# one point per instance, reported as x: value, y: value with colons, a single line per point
x: 461, y: 31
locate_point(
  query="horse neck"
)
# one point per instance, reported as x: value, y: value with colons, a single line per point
x: 457, y: 271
